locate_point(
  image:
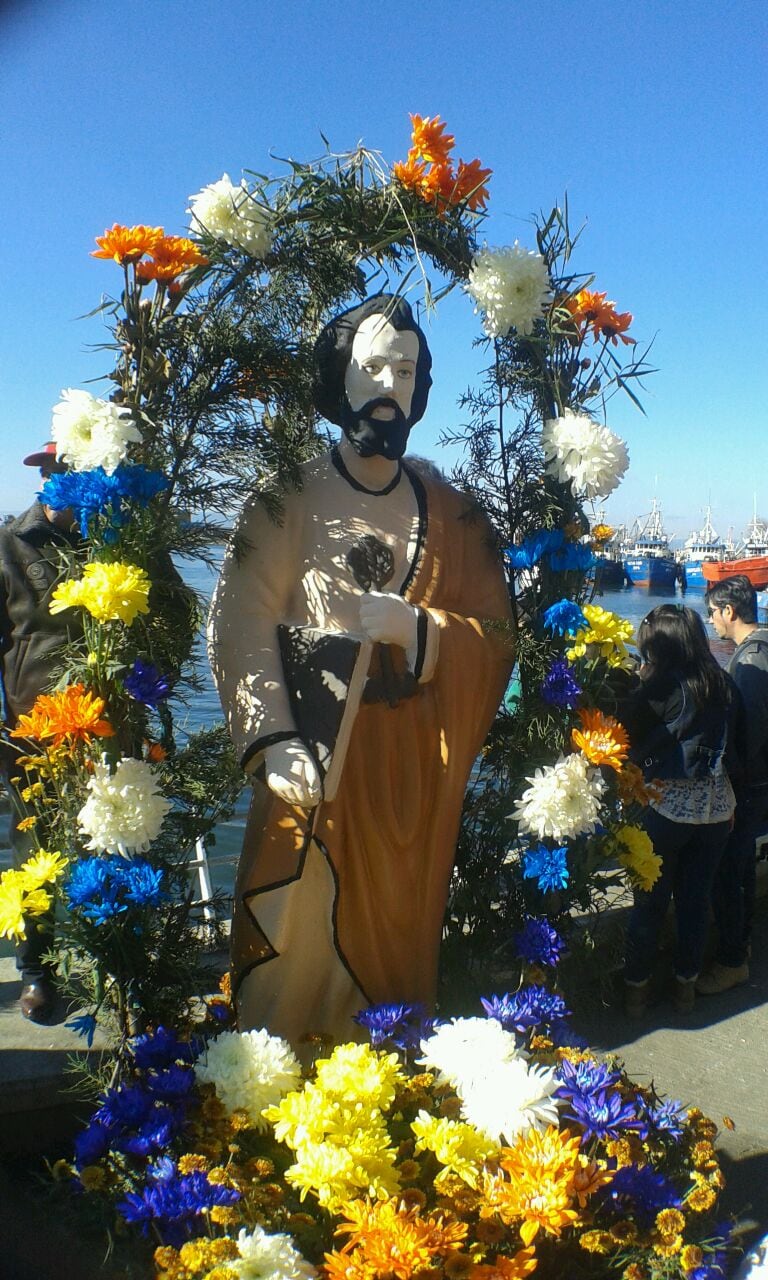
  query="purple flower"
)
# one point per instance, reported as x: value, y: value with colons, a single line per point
x: 595, y: 1101
x: 564, y: 618
x: 637, y: 1191
x: 538, y: 943
x: 531, y: 1006
x: 548, y: 866
x: 669, y: 1118
x: 558, y: 687
x: 173, y: 1202
x: 159, y: 1049
x: 402, y: 1024
x: 146, y: 683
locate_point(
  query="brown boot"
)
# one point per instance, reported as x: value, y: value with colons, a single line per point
x: 684, y: 994
x: 635, y: 999
x: 721, y: 977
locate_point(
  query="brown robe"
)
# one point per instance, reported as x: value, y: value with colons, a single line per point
x: 343, y: 906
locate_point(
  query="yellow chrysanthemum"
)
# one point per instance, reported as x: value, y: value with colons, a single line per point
x: 606, y: 636
x: 110, y: 592
x: 26, y: 824
x: 43, y: 868
x: 596, y: 1241
x: 92, y: 1177
x: 602, y: 533
x: 637, y: 856
x: 504, y: 1268
x: 458, y: 1147
x: 16, y: 902
x: 670, y: 1222
x: 358, y: 1071
x: 602, y: 739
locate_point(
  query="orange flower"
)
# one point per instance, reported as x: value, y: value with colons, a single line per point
x: 72, y: 715
x: 127, y: 244
x: 155, y: 753
x: 387, y: 1240
x: 470, y: 188
x: 522, y: 1264
x: 632, y: 787
x: 410, y: 174
x: 539, y: 1185
x: 603, y: 740
x: 590, y: 1176
x: 439, y: 185
x: 602, y: 533
x: 430, y: 141
x: 171, y: 256
x: 591, y: 309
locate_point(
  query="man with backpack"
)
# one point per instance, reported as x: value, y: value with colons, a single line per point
x: 732, y: 608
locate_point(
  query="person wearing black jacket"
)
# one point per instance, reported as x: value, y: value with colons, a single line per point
x: 31, y: 639
x: 683, y: 719
x: 732, y: 608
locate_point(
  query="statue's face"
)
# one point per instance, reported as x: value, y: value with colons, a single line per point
x: 379, y: 385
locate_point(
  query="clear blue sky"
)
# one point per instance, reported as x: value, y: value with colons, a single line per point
x: 652, y: 116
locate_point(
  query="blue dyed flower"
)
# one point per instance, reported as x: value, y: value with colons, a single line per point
x: 402, y: 1025
x: 574, y: 555
x: 558, y: 687
x: 547, y: 866
x: 160, y: 1049
x: 532, y: 548
x: 564, y: 618
x: 171, y: 1083
x: 92, y: 1143
x: 538, y: 943
x: 531, y: 1006
x: 146, y: 683
x: 594, y: 1100
x: 667, y: 1117
x: 173, y: 1203
x: 84, y: 1025
x: 94, y: 493
x: 638, y: 1192
x: 102, y: 888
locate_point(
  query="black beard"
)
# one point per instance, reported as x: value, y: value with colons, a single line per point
x: 369, y: 436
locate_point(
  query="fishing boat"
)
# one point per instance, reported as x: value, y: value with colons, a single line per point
x: 648, y: 561
x: 608, y: 572
x: 751, y: 559
x: 702, y: 546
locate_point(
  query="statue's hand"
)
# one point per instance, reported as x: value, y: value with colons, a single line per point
x: 292, y: 773
x: 389, y: 618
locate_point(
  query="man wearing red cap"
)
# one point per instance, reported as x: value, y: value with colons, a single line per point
x: 31, y: 564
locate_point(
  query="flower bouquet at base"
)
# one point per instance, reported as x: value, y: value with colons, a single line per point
x: 478, y: 1147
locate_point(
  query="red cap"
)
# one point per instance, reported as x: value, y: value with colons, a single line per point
x: 45, y: 455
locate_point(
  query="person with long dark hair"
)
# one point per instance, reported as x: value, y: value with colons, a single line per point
x: 682, y: 723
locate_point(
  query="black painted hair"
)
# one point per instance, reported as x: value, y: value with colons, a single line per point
x: 672, y: 640
x: 739, y: 593
x: 333, y: 351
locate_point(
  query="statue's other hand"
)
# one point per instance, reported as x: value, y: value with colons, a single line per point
x: 292, y: 773
x: 388, y: 618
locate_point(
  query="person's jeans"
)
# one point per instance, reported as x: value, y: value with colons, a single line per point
x: 733, y: 894
x: 690, y: 854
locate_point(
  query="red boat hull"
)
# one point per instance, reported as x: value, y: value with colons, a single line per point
x: 755, y: 568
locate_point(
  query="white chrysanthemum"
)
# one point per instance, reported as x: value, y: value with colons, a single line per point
x: 511, y: 287
x: 563, y: 799
x: 250, y: 1070
x: 269, y: 1257
x: 463, y: 1050
x: 578, y: 450
x: 511, y: 1098
x: 230, y: 213
x: 125, y: 809
x: 91, y: 433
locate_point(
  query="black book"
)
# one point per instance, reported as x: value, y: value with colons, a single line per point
x: 325, y: 673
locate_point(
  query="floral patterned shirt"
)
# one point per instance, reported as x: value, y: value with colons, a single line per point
x: 694, y: 800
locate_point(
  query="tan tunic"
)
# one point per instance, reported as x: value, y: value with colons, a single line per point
x: 343, y: 905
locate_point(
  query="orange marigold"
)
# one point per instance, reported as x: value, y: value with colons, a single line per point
x: 602, y: 740
x: 430, y: 141
x: 171, y: 257
x: 515, y: 1268
x: 632, y: 787
x: 470, y: 185
x: 71, y: 715
x: 539, y: 1184
x: 127, y: 244
x: 410, y: 174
